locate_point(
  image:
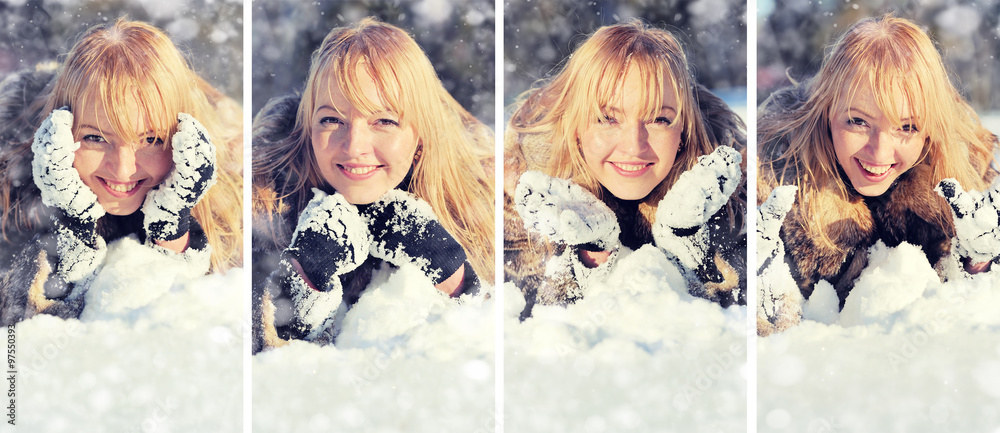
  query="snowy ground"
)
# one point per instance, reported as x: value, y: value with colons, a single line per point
x: 407, y: 359
x: 638, y: 354
x: 907, y: 353
x: 155, y: 351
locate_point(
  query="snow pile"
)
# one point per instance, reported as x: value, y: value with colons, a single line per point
x: 156, y: 350
x: 637, y: 353
x: 407, y: 359
x: 907, y: 353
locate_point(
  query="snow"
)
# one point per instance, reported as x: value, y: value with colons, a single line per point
x: 164, y: 355
x: 564, y: 212
x: 907, y: 353
x: 637, y: 353
x: 406, y: 359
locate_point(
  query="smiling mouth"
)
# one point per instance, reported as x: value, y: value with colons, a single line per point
x: 874, y: 169
x: 120, y: 189
x: 360, y: 170
x: 630, y: 167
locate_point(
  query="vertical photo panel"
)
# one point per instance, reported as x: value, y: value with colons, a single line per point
x: 624, y: 216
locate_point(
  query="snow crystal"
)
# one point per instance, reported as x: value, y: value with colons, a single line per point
x: 166, y: 357
x: 407, y: 358
x: 636, y: 353
x: 924, y: 352
x: 564, y: 212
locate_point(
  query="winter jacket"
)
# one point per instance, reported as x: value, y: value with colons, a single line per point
x: 527, y: 255
x: 272, y: 233
x: 909, y: 211
x: 28, y: 258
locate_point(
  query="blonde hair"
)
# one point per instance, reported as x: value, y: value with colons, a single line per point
x: 451, y: 174
x: 561, y: 107
x: 894, y: 57
x: 132, y: 60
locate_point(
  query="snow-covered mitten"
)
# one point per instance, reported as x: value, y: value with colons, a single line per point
x: 680, y: 229
x: 564, y: 212
x: 79, y: 248
x: 405, y: 230
x: 167, y: 207
x: 330, y: 240
x: 780, y: 302
x: 977, y: 219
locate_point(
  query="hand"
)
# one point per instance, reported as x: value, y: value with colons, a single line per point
x: 780, y: 302
x: 405, y: 230
x: 698, y: 194
x: 331, y: 239
x: 701, y: 191
x: 167, y: 207
x: 976, y: 219
x: 771, y: 215
x: 59, y: 183
x: 564, y: 212
x: 80, y: 249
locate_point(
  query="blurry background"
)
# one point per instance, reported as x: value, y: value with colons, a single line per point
x: 209, y: 32
x: 457, y: 36
x: 792, y: 36
x: 540, y: 35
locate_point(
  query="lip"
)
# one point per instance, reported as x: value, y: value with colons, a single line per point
x: 871, y: 177
x: 630, y: 169
x: 358, y: 172
x: 107, y: 184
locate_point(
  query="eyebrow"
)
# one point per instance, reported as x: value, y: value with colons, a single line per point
x: 112, y: 132
x: 619, y: 110
x: 864, y: 113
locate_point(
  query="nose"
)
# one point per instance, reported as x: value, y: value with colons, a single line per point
x: 122, y: 163
x: 882, y: 145
x: 635, y: 139
x: 358, y: 141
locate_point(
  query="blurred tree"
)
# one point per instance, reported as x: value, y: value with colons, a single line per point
x: 209, y: 32
x: 540, y: 35
x: 793, y: 36
x: 457, y: 36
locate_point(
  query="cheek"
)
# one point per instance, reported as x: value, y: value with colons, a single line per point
x: 87, y: 161
x: 156, y: 164
x: 595, y: 148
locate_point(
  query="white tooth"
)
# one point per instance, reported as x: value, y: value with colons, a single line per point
x: 629, y: 167
x: 875, y: 169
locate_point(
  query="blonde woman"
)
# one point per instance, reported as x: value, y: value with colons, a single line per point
x: 374, y: 163
x: 867, y: 142
x: 125, y: 139
x: 622, y: 148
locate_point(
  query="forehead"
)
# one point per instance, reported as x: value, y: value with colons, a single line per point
x: 638, y: 90
x: 892, y: 98
x: 126, y: 115
x: 359, y: 91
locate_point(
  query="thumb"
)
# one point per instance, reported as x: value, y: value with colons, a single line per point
x: 961, y: 203
x: 778, y: 204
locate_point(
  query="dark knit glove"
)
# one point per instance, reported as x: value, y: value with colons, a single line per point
x: 405, y: 230
x: 167, y: 207
x: 80, y: 249
x: 331, y: 239
x: 977, y: 219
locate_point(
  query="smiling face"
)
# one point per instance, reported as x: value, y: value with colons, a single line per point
x: 873, y: 149
x: 120, y: 170
x: 361, y: 155
x: 630, y: 151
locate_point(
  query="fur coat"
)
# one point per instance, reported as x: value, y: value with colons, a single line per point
x: 526, y: 254
x: 909, y: 211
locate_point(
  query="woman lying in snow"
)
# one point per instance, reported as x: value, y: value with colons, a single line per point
x: 122, y: 145
x: 620, y: 149
x: 376, y: 164
x: 865, y: 142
